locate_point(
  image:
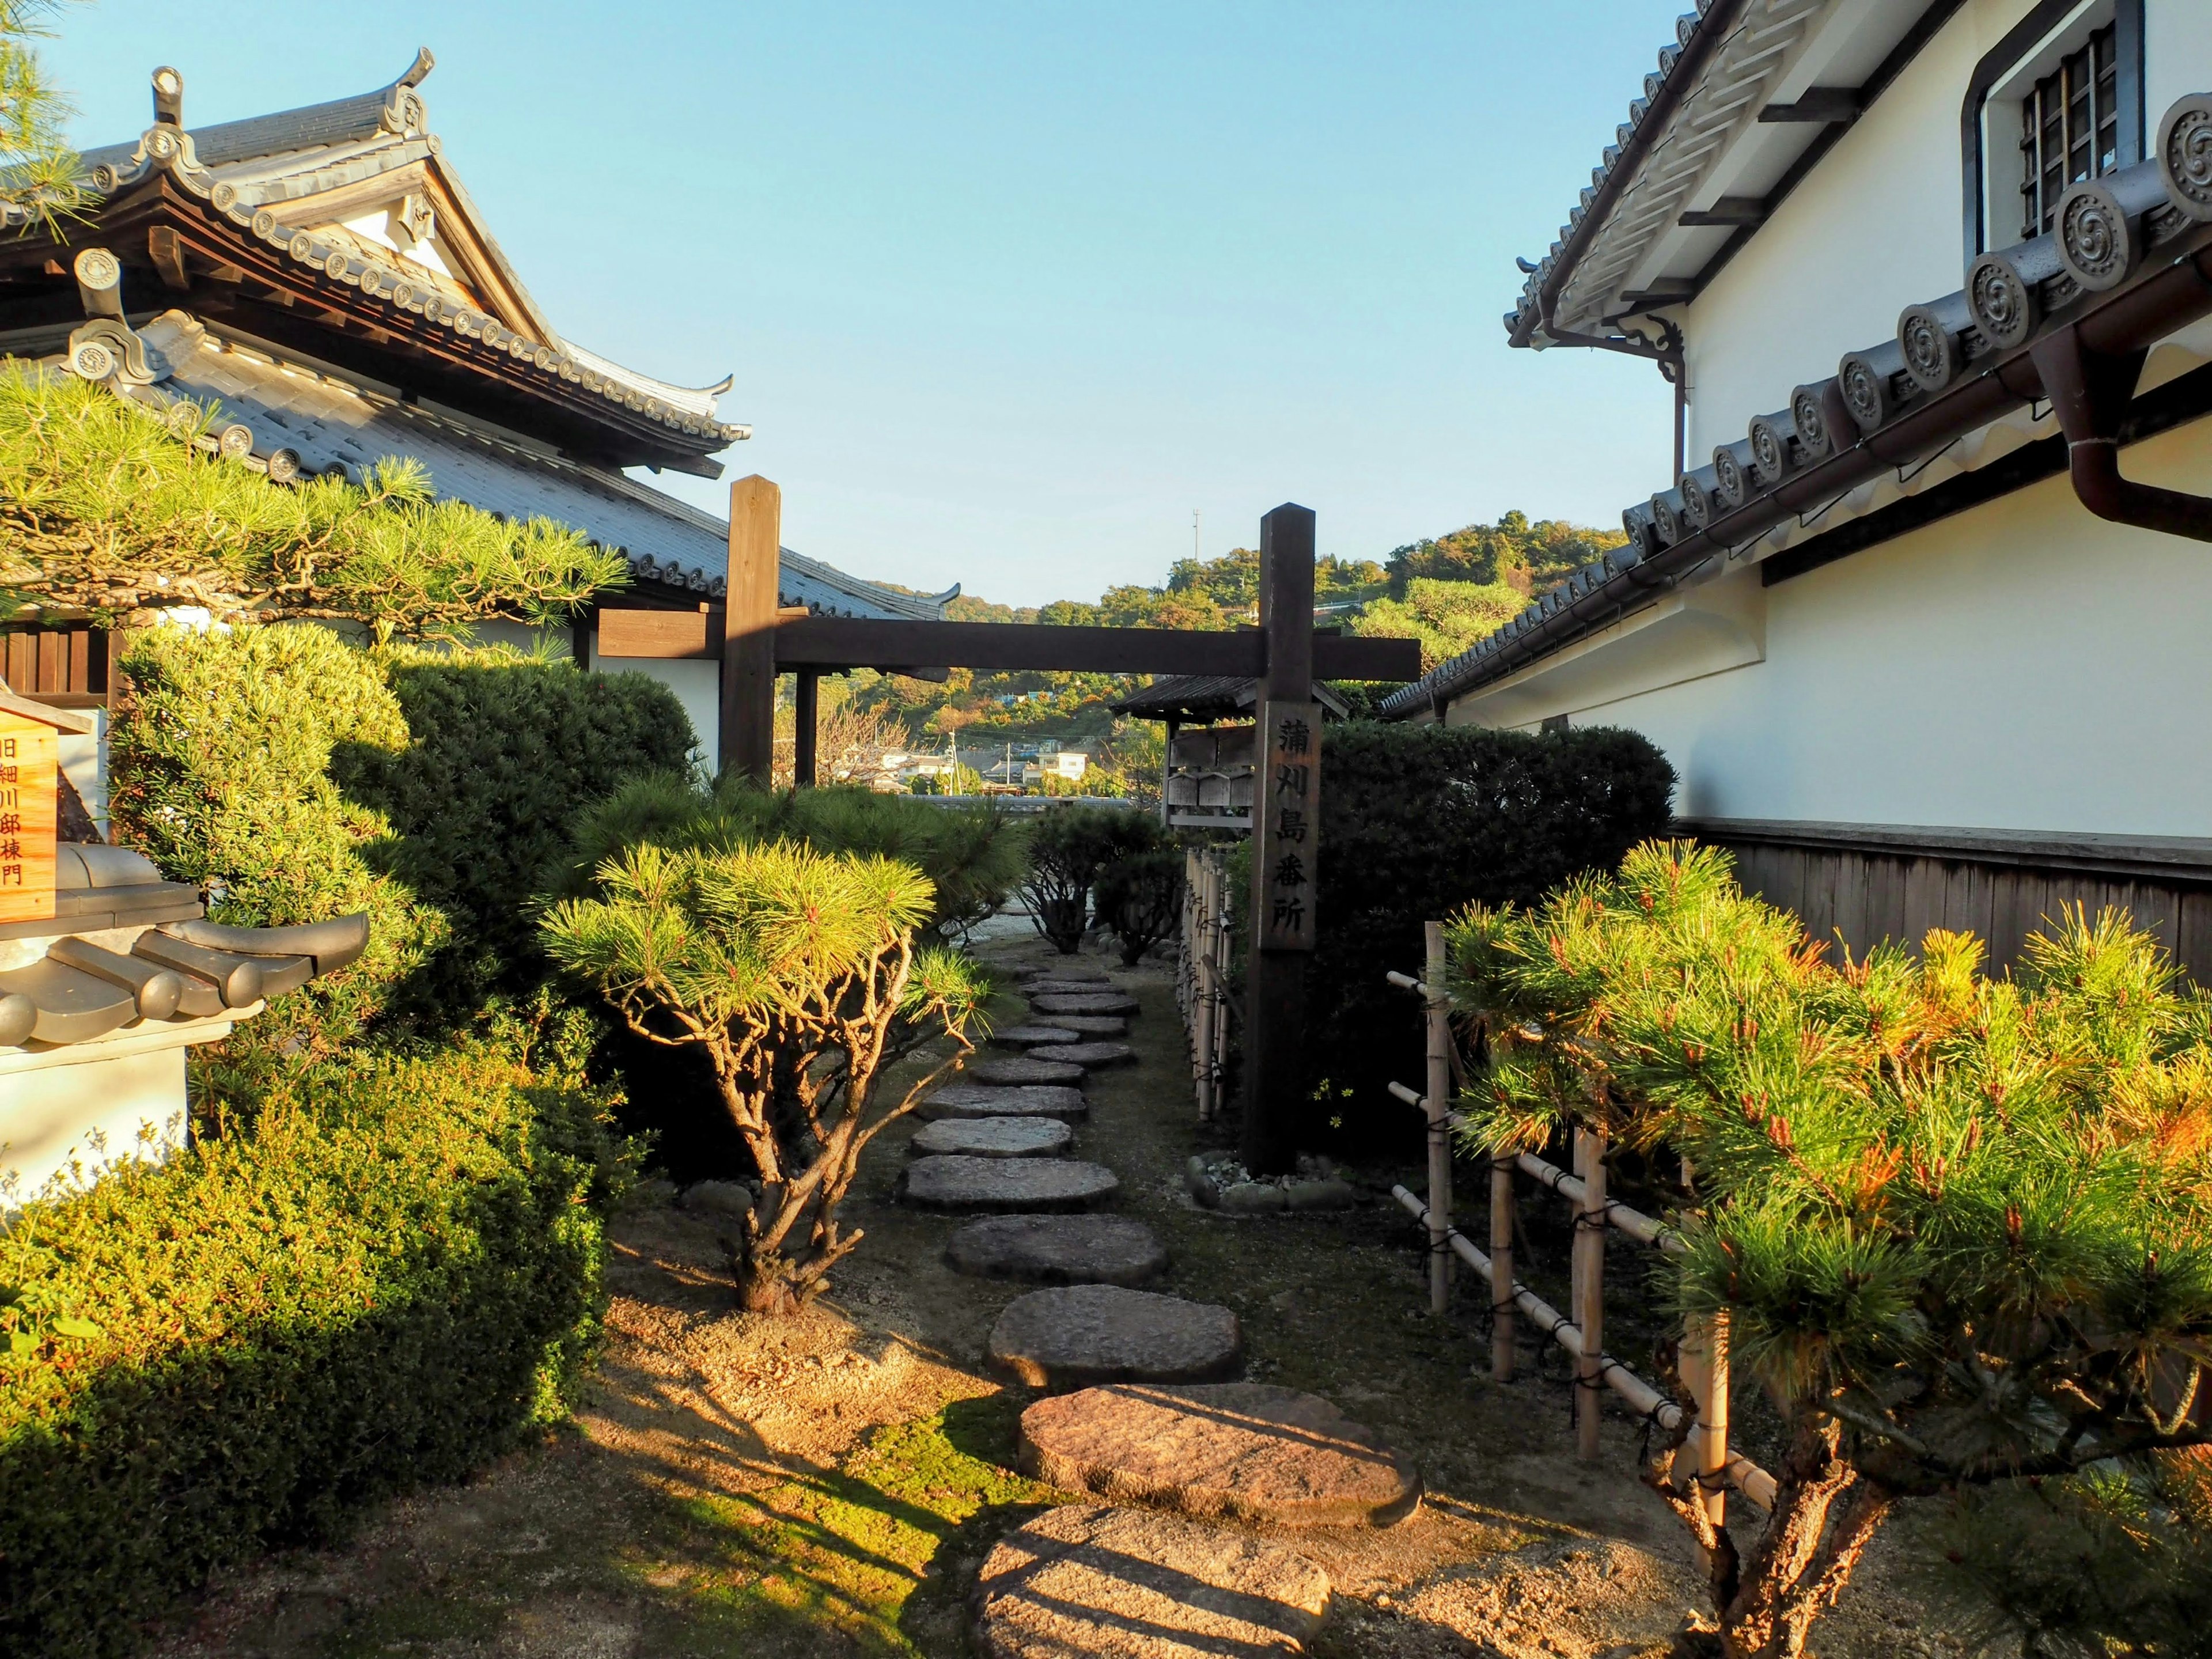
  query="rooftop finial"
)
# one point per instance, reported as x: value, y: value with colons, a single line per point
x: 168, y: 97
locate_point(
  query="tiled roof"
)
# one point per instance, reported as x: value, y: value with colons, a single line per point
x: 2130, y: 261
x: 299, y: 419
x: 1204, y: 697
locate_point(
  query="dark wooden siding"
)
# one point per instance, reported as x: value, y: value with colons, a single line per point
x: 65, y: 664
x: 1866, y: 883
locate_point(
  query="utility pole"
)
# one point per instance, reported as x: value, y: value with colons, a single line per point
x: 1197, y: 538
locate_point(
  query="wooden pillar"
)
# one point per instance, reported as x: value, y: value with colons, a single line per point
x: 1501, y: 1270
x: 1285, y: 838
x: 747, y: 727
x: 1438, y: 1086
x: 806, y: 698
x: 1590, y: 1290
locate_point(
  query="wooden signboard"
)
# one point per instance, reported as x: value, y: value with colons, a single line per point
x: 1286, y: 822
x: 29, y: 770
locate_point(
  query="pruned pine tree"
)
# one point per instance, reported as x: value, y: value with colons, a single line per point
x: 39, y: 171
x: 105, y: 508
x: 1958, y: 1226
x: 797, y: 973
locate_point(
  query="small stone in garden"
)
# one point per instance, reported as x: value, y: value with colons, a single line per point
x: 948, y: 1183
x: 1199, y: 1182
x: 1093, y: 1333
x: 1034, y: 1036
x: 1244, y: 1451
x: 1252, y: 1198
x: 1320, y: 1195
x: 1058, y: 1250
x: 1097, y: 1002
x: 1093, y: 1056
x: 986, y: 1100
x: 992, y: 1137
x: 725, y: 1199
x: 1006, y: 1073
x: 1088, y: 1579
x: 1097, y: 1025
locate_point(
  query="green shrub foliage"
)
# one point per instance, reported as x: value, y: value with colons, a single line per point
x: 220, y: 754
x: 1417, y: 822
x: 503, y: 752
x: 1069, y: 847
x: 1140, y: 897
x: 388, y: 1276
x: 1958, y: 1227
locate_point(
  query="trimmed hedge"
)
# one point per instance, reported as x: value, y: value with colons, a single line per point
x: 388, y: 1276
x: 1418, y: 822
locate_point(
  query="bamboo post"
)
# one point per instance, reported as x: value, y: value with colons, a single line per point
x: 1202, y: 986
x: 1501, y: 1257
x: 1589, y: 1302
x: 1706, y: 1376
x: 1439, y: 1081
x: 1218, y: 908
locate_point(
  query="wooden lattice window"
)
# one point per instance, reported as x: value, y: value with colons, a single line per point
x: 2069, y: 129
x: 65, y: 663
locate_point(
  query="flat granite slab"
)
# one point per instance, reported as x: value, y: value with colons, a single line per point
x: 1065, y: 969
x: 953, y: 1182
x: 1073, y: 987
x: 992, y: 1137
x: 1058, y: 1250
x: 1012, y: 1073
x: 1035, y: 1037
x: 1083, y: 1002
x: 1094, y: 1025
x: 1084, y: 1334
x: 1085, y: 1579
x: 995, y: 1100
x: 1092, y: 1056
x: 1243, y: 1451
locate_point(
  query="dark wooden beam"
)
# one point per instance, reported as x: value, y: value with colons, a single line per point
x: 1726, y: 211
x: 806, y: 702
x: 833, y: 642
x: 749, y: 630
x: 1819, y: 106
x: 1666, y: 291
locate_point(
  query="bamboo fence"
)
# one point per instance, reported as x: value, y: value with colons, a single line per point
x: 1704, y: 1363
x: 1202, y: 973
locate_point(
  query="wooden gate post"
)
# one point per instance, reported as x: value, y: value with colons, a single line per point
x: 805, y: 700
x: 1590, y: 1290
x: 1439, y: 1081
x: 746, y: 731
x: 1286, y: 837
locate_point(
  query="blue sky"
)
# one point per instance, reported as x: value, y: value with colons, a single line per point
x: 1010, y: 291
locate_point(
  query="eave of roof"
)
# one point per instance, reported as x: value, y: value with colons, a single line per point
x: 1635, y: 243
x: 243, y: 174
x: 2130, y: 266
x: 1207, y: 696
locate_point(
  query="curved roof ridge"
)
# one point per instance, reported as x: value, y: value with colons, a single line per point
x: 693, y: 400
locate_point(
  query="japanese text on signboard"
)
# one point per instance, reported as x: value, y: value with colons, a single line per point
x: 1287, y: 825
x: 27, y: 819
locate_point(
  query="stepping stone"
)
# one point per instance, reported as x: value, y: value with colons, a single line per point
x: 1239, y: 1451
x: 1035, y: 1037
x: 1070, y: 987
x: 1104, y: 1002
x: 985, y: 1100
x: 1087, y: 1579
x: 1058, y: 1250
x: 992, y: 1137
x: 1090, y: 1333
x: 947, y: 1182
x: 1010, y: 1074
x: 1065, y: 969
x: 1093, y: 1056
x: 1097, y: 1025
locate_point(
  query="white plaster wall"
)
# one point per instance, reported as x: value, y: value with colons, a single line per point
x: 64, y: 1124
x: 2177, y: 54
x: 2022, y: 666
x: 1874, y: 229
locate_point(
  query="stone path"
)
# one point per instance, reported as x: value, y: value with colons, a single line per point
x: 1085, y: 1579
x: 1080, y: 1335
x: 1088, y: 1579
x: 1011, y: 1072
x: 1059, y: 1249
x: 950, y: 1182
x: 1035, y: 1037
x: 1244, y: 1451
x: 992, y: 1137
x: 993, y: 1100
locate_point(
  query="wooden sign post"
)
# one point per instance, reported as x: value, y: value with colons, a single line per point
x: 1285, y: 841
x: 30, y: 766
x: 747, y: 729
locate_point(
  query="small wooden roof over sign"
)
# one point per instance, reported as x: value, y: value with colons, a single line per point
x: 1195, y: 699
x: 74, y: 722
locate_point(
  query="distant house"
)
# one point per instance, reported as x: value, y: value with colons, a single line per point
x: 1921, y: 620
x: 321, y: 277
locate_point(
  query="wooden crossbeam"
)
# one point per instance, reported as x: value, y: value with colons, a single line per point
x: 810, y: 642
